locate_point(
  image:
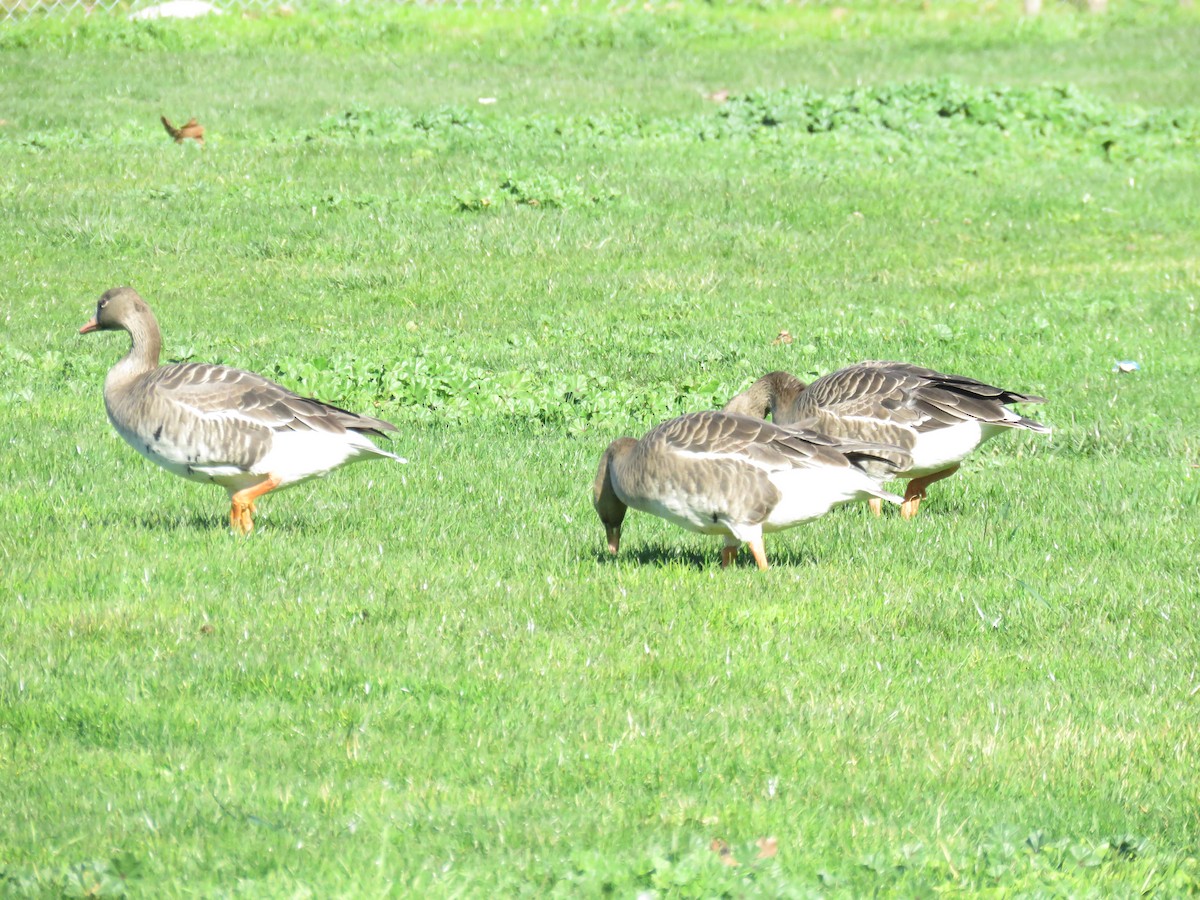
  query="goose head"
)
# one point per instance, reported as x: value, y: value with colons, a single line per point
x: 121, y: 308
x: 610, y: 507
x: 776, y: 393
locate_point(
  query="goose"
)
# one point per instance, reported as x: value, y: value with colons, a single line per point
x: 221, y: 425
x: 719, y: 473
x: 939, y: 419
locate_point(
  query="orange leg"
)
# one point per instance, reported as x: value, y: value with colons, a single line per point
x: 242, y: 503
x: 876, y: 506
x: 915, y: 492
x: 759, y: 550
x: 728, y: 556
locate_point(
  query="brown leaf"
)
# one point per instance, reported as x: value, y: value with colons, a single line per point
x: 784, y: 338
x: 190, y: 129
x: 722, y: 850
x: 718, y: 96
x: 206, y: 629
x: 767, y: 847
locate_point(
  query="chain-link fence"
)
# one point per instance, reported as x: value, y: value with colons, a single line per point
x: 186, y: 9
x: 19, y: 9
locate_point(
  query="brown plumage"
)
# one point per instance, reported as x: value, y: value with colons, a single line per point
x: 939, y: 419
x: 736, y: 476
x: 221, y: 425
x: 191, y: 129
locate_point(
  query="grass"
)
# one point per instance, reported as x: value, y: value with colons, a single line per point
x: 429, y: 678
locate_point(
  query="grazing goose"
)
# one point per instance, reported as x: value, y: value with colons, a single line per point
x: 939, y: 419
x: 221, y: 425
x: 718, y: 473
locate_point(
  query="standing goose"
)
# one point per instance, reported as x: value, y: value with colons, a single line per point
x: 939, y: 419
x: 221, y: 425
x: 738, y: 476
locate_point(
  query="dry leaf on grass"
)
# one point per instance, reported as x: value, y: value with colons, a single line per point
x: 783, y: 338
x: 190, y: 129
x: 767, y: 847
x: 723, y: 852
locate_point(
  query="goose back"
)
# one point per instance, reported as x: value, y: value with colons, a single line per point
x: 911, y: 396
x: 218, y: 424
x: 721, y: 473
x: 213, y: 423
x: 938, y: 419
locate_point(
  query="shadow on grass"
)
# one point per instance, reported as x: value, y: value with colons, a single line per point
x: 658, y: 555
x: 787, y: 549
x: 195, y: 522
x: 700, y: 559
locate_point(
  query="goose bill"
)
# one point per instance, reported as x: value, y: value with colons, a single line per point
x: 614, y: 538
x: 91, y: 325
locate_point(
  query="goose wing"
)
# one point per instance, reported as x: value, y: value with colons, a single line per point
x: 889, y: 401
x: 722, y: 467
x: 222, y: 393
x: 203, y: 417
x: 766, y: 445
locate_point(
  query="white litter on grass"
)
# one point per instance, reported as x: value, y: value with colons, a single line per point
x: 1126, y: 365
x: 176, y: 9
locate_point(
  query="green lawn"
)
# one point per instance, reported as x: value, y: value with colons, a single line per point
x: 431, y: 679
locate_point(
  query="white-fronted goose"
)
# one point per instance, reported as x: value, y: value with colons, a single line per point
x: 718, y: 473
x: 221, y: 425
x: 939, y: 419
